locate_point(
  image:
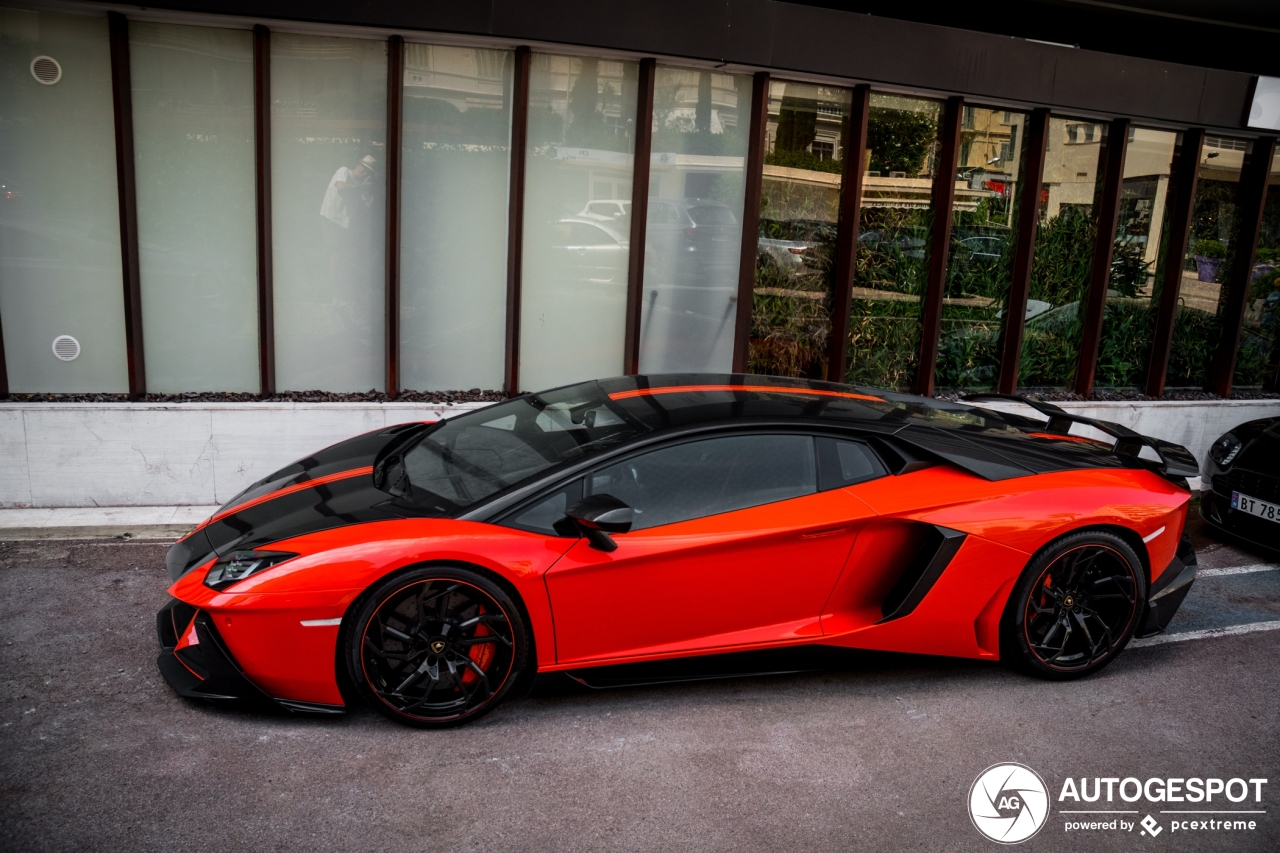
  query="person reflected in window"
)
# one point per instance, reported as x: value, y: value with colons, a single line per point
x: 344, y: 216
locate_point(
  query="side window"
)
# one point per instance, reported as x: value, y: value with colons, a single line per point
x: 846, y: 463
x: 547, y: 515
x: 708, y: 477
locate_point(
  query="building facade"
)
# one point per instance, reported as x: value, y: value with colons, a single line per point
x: 388, y: 199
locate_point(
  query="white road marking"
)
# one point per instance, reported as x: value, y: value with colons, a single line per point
x: 1229, y: 631
x: 1237, y: 570
x: 321, y: 623
x: 1151, y: 536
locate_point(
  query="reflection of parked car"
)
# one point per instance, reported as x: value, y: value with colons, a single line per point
x: 597, y: 252
x: 981, y: 248
x: 1241, y: 480
x: 687, y: 239
x: 796, y: 246
x: 910, y: 243
x: 607, y: 210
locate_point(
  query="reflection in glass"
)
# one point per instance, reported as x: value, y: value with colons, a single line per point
x: 1063, y: 254
x: 193, y: 136
x: 328, y: 159
x: 982, y: 242
x: 1129, y: 318
x: 453, y: 217
x: 577, y: 211
x: 1258, y: 355
x: 893, y: 241
x: 59, y: 220
x: 799, y: 211
x: 693, y: 236
x: 1210, y: 254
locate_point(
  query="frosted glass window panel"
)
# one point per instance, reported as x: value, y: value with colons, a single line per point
x: 453, y: 217
x: 328, y: 211
x: 193, y: 138
x: 59, y: 216
x: 576, y: 219
x: 693, y: 235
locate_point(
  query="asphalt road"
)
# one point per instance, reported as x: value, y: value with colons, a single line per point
x: 876, y: 753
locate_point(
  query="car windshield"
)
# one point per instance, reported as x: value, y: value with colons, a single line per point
x: 471, y: 457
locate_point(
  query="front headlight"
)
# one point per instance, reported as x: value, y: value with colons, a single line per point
x: 1225, y: 450
x: 235, y: 567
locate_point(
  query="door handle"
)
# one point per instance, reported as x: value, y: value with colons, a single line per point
x: 825, y: 531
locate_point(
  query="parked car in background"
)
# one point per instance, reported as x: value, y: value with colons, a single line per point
x: 597, y: 251
x: 1241, y: 481
x: 796, y: 247
x: 607, y: 210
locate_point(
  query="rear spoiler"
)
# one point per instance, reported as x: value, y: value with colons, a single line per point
x: 1175, y: 460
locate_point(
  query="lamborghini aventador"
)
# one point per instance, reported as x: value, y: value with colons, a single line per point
x: 432, y: 569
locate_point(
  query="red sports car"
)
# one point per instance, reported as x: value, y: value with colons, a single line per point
x: 433, y: 569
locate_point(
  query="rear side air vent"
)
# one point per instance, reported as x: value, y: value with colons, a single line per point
x: 937, y: 546
x: 66, y: 348
x: 46, y: 70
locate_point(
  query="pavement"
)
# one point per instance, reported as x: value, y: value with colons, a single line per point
x: 875, y: 752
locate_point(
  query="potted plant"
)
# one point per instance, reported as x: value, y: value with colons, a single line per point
x: 1264, y: 263
x: 1209, y: 256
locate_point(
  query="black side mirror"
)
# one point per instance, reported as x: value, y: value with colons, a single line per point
x: 600, y: 515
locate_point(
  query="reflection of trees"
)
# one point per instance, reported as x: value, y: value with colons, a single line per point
x: 677, y: 132
x: 900, y: 140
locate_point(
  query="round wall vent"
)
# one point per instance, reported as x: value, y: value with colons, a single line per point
x: 46, y: 70
x: 66, y: 347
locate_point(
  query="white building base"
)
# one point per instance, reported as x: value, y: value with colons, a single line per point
x: 201, y: 454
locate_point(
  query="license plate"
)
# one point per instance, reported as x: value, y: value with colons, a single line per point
x: 1253, y: 506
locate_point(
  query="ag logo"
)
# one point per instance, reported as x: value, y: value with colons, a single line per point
x: 1008, y: 803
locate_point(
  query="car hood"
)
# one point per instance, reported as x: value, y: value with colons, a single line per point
x: 331, y: 488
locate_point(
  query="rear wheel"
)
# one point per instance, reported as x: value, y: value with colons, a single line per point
x: 1075, y: 607
x: 437, y: 646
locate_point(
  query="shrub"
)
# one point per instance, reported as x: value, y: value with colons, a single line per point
x: 1210, y: 249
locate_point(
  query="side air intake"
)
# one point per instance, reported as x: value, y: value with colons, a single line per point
x: 938, y: 545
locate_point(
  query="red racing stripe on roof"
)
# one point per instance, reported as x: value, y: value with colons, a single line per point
x: 761, y: 389
x: 287, y: 490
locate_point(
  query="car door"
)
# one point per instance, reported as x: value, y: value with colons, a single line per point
x: 733, y: 544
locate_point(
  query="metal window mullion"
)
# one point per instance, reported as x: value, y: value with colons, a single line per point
x: 395, y: 133
x: 126, y: 188
x: 515, y: 215
x: 1106, y: 215
x: 262, y: 208
x: 1251, y: 200
x: 639, y: 215
x: 754, y: 180
x: 855, y: 146
x: 1186, y: 171
x: 1015, y: 315
x: 944, y: 194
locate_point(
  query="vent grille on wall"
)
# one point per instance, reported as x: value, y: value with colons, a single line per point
x: 66, y: 347
x: 46, y: 70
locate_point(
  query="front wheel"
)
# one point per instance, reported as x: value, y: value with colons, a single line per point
x: 1075, y: 607
x: 437, y: 646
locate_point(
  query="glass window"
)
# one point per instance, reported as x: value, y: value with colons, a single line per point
x: 1063, y: 256
x: 693, y: 238
x: 468, y: 458
x: 893, y: 241
x: 1129, y: 318
x: 328, y: 208
x: 193, y: 137
x: 59, y: 212
x: 453, y: 216
x: 702, y: 478
x: 547, y: 516
x: 1258, y: 356
x: 981, y: 253
x: 846, y: 463
x: 581, y: 150
x: 1210, y: 253
x: 799, y: 211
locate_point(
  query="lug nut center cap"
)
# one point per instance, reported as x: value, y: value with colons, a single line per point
x: 437, y: 646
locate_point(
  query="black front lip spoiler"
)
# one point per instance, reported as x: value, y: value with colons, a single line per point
x: 208, y: 671
x: 1169, y: 590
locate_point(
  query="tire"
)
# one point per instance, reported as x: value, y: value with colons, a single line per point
x: 437, y: 646
x: 1075, y: 607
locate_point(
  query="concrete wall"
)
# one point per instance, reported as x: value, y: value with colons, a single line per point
x: 197, y: 454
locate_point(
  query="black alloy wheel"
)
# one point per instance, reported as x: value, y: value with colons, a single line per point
x: 1075, y: 607
x: 437, y: 646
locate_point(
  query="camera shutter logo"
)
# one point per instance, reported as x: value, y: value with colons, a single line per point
x: 1008, y: 803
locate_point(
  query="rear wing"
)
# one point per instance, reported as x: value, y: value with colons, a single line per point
x: 1175, y: 460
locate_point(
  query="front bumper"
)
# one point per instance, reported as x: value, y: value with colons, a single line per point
x: 1168, y: 591
x: 196, y: 663
x: 1216, y: 509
